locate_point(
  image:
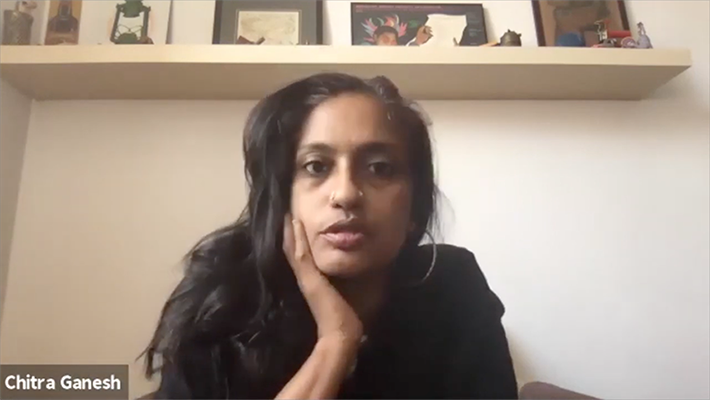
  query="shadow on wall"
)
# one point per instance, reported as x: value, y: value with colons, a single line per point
x: 521, y: 362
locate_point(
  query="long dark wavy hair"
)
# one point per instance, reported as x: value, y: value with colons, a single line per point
x: 236, y: 325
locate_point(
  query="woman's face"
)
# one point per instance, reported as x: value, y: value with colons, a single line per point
x: 352, y: 187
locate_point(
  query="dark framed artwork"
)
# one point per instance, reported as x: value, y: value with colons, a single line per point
x: 572, y: 22
x: 270, y: 22
x: 418, y: 24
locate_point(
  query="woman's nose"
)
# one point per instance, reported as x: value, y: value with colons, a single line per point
x: 345, y: 194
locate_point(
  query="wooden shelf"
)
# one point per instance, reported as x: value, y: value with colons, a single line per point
x: 250, y: 72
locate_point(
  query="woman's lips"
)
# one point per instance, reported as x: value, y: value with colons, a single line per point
x: 345, y: 240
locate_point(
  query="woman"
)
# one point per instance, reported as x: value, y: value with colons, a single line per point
x: 320, y: 289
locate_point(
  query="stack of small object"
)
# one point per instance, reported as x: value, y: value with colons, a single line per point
x: 622, y: 39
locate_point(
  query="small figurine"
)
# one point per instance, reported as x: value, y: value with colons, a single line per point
x: 17, y: 26
x: 643, y: 42
x: 602, y: 34
x: 511, y: 38
x: 629, y: 43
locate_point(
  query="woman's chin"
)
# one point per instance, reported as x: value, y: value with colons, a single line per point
x: 336, y: 263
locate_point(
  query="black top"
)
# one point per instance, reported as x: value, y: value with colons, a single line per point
x: 442, y: 339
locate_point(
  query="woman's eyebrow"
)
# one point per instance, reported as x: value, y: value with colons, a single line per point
x: 377, y: 147
x: 316, y: 147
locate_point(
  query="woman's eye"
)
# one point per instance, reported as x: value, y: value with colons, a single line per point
x: 381, y: 168
x: 316, y: 167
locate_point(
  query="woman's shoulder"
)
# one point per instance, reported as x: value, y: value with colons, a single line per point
x: 451, y: 264
x: 451, y: 256
x: 458, y: 280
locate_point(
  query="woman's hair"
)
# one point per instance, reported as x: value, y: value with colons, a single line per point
x: 237, y: 318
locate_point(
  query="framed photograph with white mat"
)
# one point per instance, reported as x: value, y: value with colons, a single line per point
x: 273, y: 22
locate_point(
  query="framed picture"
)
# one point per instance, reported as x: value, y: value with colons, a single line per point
x: 418, y: 24
x: 572, y: 22
x: 270, y: 22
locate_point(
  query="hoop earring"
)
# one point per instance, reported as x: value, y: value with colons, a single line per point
x: 433, y: 263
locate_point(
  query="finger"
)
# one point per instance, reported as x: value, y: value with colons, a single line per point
x: 288, y: 237
x: 293, y: 255
x: 309, y: 278
x: 301, y: 252
x: 297, y: 253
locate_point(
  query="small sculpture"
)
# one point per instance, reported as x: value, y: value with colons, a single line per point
x: 643, y: 42
x: 511, y: 38
x: 25, y: 7
x: 629, y: 43
x: 17, y: 26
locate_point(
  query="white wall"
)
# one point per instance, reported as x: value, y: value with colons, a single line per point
x: 15, y: 110
x: 590, y: 219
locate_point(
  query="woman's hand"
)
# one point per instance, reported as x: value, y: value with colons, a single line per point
x: 335, y: 318
x: 339, y: 328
